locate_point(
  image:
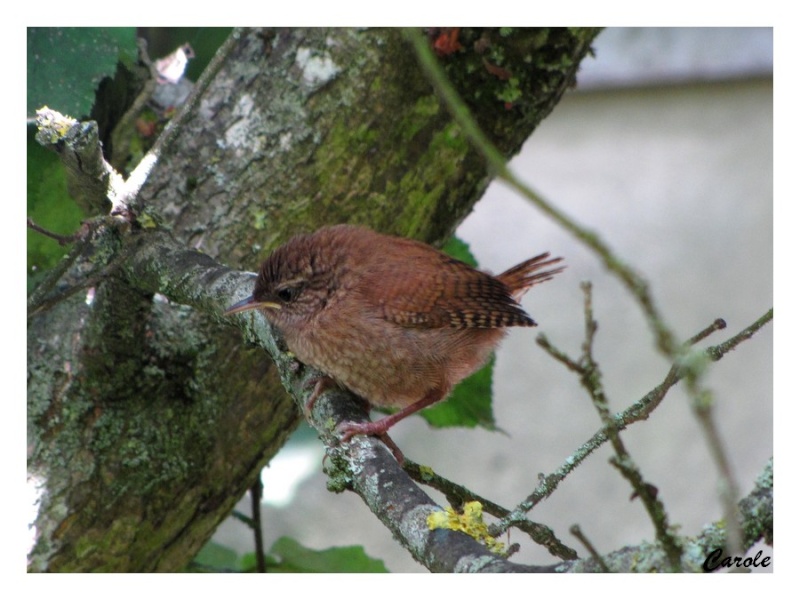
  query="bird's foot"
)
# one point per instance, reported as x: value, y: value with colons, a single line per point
x: 348, y: 429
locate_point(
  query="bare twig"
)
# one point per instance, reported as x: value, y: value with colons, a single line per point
x: 560, y: 356
x: 591, y: 380
x: 62, y: 240
x: 38, y: 296
x: 638, y: 411
x: 576, y: 531
x: 256, y: 491
x: 91, y: 272
x: 717, y: 325
x: 717, y: 352
x: 457, y: 495
x: 254, y: 523
x: 728, y: 489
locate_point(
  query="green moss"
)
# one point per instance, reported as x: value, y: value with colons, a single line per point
x: 399, y: 199
x: 338, y: 483
x: 398, y: 167
x: 511, y: 92
x: 376, y: 84
x: 144, y: 442
x: 339, y: 476
x: 419, y: 117
x: 87, y: 545
x: 259, y: 218
x: 441, y: 162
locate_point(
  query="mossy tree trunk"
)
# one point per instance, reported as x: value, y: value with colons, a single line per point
x: 147, y: 421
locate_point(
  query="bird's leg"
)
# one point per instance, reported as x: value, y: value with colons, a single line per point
x: 379, y: 428
x: 398, y: 454
x: 320, y: 384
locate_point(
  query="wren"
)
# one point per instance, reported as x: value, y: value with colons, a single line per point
x: 393, y: 320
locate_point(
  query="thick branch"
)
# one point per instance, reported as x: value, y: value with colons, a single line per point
x: 78, y: 145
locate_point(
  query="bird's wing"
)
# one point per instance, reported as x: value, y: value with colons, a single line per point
x: 434, y: 290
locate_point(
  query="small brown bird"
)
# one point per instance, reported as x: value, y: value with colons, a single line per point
x: 393, y: 320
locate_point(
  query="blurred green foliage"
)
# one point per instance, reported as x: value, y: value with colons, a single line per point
x: 66, y: 64
x: 288, y: 556
x: 50, y: 206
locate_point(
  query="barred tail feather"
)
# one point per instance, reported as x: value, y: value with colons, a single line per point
x: 521, y: 277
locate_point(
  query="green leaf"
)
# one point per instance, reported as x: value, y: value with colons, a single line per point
x: 469, y: 405
x: 65, y: 64
x: 216, y: 557
x: 288, y: 556
x: 459, y: 249
x: 50, y: 206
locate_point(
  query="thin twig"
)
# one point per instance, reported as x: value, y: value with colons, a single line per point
x: 623, y: 461
x: 718, y: 352
x: 63, y: 240
x: 728, y: 489
x: 457, y: 495
x: 557, y: 354
x: 256, y: 491
x: 38, y: 297
x: 576, y: 531
x: 717, y: 325
x: 638, y: 411
x: 39, y: 301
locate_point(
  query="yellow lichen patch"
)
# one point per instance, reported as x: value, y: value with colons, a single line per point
x: 426, y: 472
x: 54, y: 122
x: 470, y: 521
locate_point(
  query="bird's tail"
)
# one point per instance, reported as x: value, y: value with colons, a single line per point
x: 521, y: 277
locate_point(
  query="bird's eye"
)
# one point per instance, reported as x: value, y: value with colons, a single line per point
x: 287, y: 294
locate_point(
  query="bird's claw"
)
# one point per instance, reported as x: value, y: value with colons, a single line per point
x: 348, y: 429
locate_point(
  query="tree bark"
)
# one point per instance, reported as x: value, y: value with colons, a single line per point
x: 146, y: 419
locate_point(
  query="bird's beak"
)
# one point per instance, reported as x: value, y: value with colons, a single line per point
x: 248, y: 303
